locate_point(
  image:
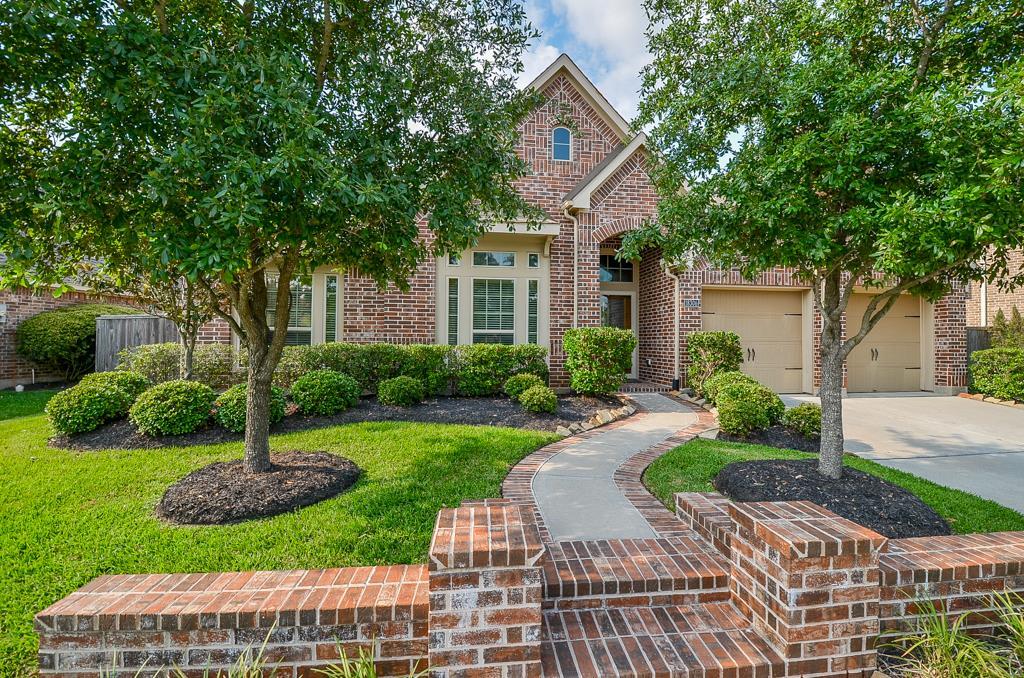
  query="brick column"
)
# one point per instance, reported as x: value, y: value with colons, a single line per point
x: 809, y: 580
x: 485, y: 593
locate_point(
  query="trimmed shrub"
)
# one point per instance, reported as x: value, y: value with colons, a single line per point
x: 325, y: 392
x: 539, y: 399
x: 745, y: 406
x: 998, y: 372
x: 230, y: 407
x: 368, y: 364
x: 212, y: 364
x: 805, y: 419
x: 711, y: 353
x: 86, y: 406
x: 720, y: 380
x: 482, y: 369
x: 132, y: 383
x: 173, y: 408
x: 432, y: 365
x: 740, y: 411
x: 514, y: 386
x: 598, y: 358
x: 400, y: 391
x: 64, y: 340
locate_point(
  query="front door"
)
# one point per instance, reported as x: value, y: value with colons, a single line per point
x: 617, y: 310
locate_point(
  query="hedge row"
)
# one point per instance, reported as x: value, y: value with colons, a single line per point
x: 998, y: 372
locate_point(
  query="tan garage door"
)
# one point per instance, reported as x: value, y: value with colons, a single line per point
x: 889, y: 357
x: 769, y: 325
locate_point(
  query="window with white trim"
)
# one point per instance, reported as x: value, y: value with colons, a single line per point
x: 494, y: 316
x: 532, y: 311
x: 453, y: 311
x: 561, y: 143
x: 494, y: 259
x: 330, y: 308
x: 300, y: 315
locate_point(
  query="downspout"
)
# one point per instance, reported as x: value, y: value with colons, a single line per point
x: 575, y: 262
x: 676, y: 376
x: 984, y: 303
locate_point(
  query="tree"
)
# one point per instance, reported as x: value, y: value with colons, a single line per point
x: 872, y: 143
x: 218, y: 140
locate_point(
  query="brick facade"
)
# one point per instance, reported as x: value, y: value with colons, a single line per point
x: 998, y: 300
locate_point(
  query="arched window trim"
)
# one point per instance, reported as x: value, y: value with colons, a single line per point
x: 554, y: 156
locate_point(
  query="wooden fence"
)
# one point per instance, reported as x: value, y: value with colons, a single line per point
x: 116, y: 332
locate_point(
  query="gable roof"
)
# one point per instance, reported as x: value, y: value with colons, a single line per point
x: 579, y: 197
x: 597, y: 101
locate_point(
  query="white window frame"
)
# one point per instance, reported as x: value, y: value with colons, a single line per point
x: 515, y: 259
x: 553, y: 158
x: 516, y: 320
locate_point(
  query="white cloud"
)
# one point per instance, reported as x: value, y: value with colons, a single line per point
x: 605, y: 38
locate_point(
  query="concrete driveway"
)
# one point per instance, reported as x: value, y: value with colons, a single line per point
x: 957, y: 442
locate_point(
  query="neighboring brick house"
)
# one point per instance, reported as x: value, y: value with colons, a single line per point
x: 518, y: 285
x: 987, y: 300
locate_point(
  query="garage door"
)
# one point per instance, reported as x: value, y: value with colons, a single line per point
x: 769, y: 325
x: 889, y: 357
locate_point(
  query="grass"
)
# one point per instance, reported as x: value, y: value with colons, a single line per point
x: 22, y: 404
x: 691, y: 468
x: 67, y: 517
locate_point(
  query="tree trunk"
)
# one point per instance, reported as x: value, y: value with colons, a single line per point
x: 257, y: 411
x: 188, y: 352
x: 830, y: 453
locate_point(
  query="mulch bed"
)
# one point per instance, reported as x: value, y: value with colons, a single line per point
x: 777, y: 436
x: 475, y: 411
x: 223, y: 492
x: 865, y: 499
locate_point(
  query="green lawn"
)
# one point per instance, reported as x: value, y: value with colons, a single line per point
x: 67, y: 517
x: 14, y: 404
x: 691, y: 468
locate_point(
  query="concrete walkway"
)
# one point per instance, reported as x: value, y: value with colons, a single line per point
x: 575, y: 489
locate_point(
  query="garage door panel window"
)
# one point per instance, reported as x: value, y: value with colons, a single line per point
x: 494, y: 317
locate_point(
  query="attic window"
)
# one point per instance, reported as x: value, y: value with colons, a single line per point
x: 561, y: 143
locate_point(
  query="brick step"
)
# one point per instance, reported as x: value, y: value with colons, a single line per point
x: 633, y: 573
x: 695, y: 641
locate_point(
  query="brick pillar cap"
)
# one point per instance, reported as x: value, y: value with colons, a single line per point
x: 474, y: 536
x: 800, y: 529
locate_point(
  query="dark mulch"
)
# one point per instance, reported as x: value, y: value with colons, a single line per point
x: 865, y: 499
x: 223, y: 492
x: 777, y: 436
x: 475, y: 411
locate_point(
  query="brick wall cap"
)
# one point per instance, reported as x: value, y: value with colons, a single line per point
x: 474, y: 536
x: 803, y: 529
x: 228, y: 600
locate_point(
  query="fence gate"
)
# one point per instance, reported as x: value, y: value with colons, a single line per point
x: 116, y: 332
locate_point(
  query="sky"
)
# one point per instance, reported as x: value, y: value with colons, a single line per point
x: 604, y: 37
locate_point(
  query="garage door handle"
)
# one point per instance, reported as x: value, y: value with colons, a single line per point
x: 753, y: 354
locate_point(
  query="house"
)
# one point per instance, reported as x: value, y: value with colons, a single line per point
x: 518, y: 285
x: 986, y: 300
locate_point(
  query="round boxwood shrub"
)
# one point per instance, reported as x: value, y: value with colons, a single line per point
x: 805, y: 419
x: 715, y: 383
x: 325, y: 392
x: 131, y: 383
x: 173, y: 408
x: 64, y: 340
x: 538, y: 399
x: 230, y: 407
x: 86, y: 406
x: 517, y: 384
x: 400, y: 391
x: 741, y: 409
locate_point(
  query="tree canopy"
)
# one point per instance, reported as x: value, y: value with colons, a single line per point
x: 213, y: 139
x: 874, y: 143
